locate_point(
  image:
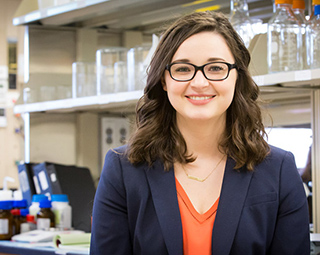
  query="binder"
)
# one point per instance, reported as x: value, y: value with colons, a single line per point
x: 27, y: 186
x: 74, y: 181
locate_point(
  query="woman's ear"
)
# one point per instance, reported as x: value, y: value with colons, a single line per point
x: 163, y: 83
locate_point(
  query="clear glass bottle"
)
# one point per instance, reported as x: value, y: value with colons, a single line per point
x: 240, y: 20
x: 298, y: 8
x: 313, y: 37
x: 312, y: 9
x: 284, y: 39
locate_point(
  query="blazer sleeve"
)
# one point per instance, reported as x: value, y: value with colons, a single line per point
x: 110, y: 228
x: 291, y: 236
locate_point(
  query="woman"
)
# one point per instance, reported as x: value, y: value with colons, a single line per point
x: 197, y: 177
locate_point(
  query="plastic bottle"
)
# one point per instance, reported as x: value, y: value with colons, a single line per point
x: 34, y: 207
x: 284, y: 39
x: 45, y: 217
x: 240, y: 20
x: 6, y: 220
x: 62, y: 210
x: 313, y: 37
x: 298, y: 8
x: 5, y: 193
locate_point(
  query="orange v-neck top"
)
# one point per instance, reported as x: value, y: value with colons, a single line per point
x: 196, y: 227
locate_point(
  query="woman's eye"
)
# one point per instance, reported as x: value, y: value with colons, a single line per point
x: 215, y: 68
x: 182, y: 69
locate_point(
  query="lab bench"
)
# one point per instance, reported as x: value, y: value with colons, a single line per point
x: 17, y: 248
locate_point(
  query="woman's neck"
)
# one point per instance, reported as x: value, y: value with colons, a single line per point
x: 202, y: 137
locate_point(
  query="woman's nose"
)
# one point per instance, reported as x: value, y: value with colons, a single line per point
x: 199, y: 80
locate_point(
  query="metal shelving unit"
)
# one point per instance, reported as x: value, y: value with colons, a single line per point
x: 305, y: 79
x: 110, y: 102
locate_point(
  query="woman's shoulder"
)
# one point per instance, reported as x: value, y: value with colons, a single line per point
x: 277, y: 153
x: 117, y: 158
x: 278, y: 161
x: 118, y: 152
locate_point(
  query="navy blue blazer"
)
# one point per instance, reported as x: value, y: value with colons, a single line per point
x: 136, y: 210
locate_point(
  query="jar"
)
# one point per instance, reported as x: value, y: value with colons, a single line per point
x: 29, y: 225
x: 62, y: 210
x: 6, y: 220
x: 45, y: 217
x: 18, y: 218
x: 111, y: 66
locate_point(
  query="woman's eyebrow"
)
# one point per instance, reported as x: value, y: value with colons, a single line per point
x: 184, y: 60
x: 215, y: 59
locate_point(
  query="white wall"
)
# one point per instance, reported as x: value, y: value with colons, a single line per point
x: 10, y: 141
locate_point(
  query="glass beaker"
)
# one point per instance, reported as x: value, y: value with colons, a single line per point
x: 84, y: 79
x: 111, y: 70
x: 137, y: 67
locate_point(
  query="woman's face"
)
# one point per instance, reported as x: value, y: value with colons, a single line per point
x: 200, y: 98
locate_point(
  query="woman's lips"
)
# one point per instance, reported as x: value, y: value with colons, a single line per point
x: 199, y: 100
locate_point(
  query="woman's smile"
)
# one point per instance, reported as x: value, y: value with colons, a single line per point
x: 200, y: 99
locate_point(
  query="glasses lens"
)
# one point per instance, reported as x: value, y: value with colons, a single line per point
x: 216, y: 71
x: 182, y: 71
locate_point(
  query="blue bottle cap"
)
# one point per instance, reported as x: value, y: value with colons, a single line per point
x: 45, y: 204
x: 316, y: 10
x: 24, y: 212
x: 20, y: 203
x: 5, y: 205
x: 59, y: 198
x: 39, y: 197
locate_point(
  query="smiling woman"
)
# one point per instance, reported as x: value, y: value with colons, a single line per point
x: 197, y: 176
x: 215, y: 96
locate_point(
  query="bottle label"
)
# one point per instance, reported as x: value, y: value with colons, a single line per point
x: 24, y: 227
x: 4, y: 226
x: 62, y: 217
x: 43, y: 223
x: 57, y: 215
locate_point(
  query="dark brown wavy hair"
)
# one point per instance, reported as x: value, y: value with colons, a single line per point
x: 157, y: 135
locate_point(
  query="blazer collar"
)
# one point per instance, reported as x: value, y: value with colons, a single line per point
x: 233, y: 193
x: 164, y: 194
x: 232, y: 197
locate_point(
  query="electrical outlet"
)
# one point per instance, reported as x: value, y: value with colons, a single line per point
x: 114, y: 133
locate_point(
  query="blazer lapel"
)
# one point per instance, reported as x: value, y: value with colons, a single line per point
x: 164, y: 194
x: 233, y: 193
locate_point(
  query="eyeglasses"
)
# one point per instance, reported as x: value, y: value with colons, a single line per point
x: 213, y: 71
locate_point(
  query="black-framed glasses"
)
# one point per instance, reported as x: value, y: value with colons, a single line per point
x: 213, y: 71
